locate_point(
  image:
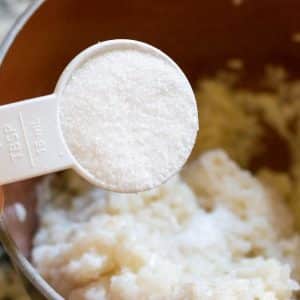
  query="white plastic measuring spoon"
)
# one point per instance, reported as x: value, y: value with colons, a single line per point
x: 32, y: 142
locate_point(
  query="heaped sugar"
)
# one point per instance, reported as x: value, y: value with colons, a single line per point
x: 129, y: 118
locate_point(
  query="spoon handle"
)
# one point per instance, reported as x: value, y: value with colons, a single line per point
x: 31, y: 142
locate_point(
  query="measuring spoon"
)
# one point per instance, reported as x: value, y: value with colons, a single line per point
x: 31, y: 138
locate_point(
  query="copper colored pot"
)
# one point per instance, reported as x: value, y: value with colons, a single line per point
x: 199, y: 35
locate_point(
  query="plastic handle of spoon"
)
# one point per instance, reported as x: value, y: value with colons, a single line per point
x: 31, y: 142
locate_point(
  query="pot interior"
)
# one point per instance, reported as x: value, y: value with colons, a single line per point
x: 199, y: 35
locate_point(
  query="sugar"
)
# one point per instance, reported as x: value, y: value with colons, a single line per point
x: 129, y: 118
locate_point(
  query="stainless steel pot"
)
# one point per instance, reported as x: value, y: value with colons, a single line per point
x: 199, y: 35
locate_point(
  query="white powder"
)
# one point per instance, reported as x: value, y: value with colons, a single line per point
x: 129, y: 118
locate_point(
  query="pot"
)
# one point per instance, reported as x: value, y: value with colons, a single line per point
x: 199, y: 35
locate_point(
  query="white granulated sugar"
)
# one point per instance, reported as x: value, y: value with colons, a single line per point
x: 129, y: 118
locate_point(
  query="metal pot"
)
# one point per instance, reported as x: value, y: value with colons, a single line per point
x: 199, y: 35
